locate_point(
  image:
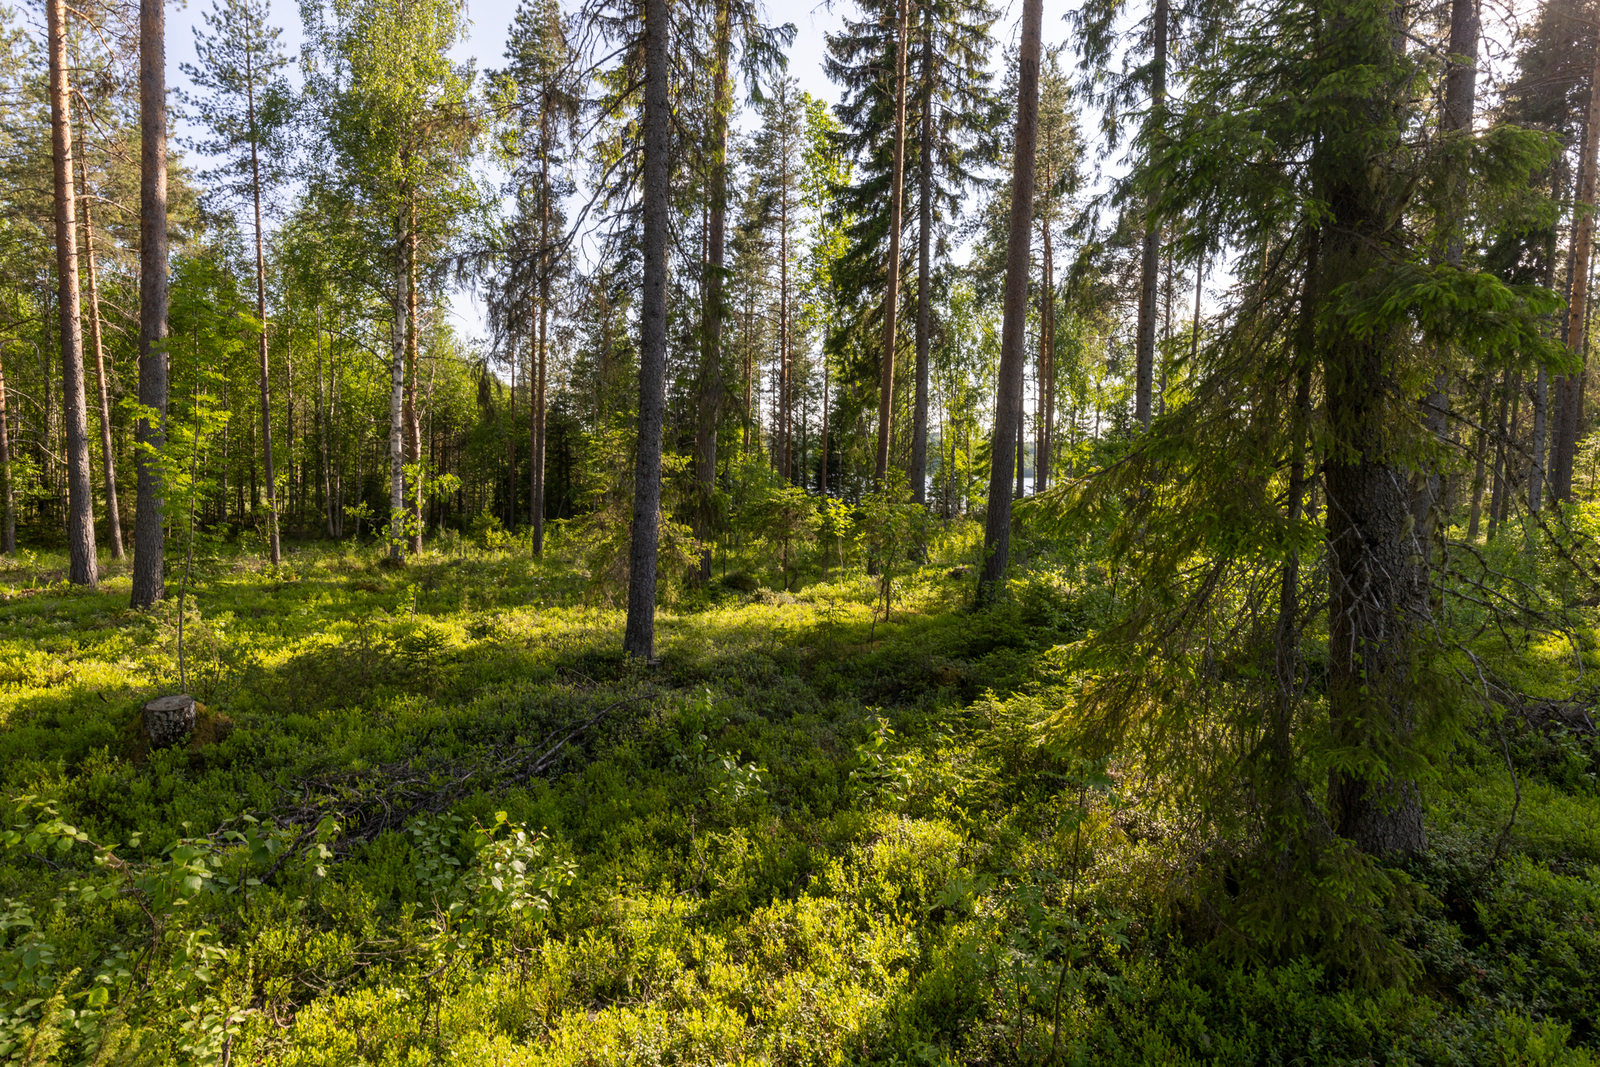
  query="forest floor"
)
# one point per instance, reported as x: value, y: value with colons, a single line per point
x: 432, y: 815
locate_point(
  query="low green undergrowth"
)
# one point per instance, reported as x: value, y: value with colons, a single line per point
x: 453, y: 825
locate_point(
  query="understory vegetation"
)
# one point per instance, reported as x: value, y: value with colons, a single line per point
x: 432, y: 814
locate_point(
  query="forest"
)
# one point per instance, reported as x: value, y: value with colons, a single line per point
x: 908, y: 532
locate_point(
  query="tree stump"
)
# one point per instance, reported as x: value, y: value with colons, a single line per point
x: 169, y: 720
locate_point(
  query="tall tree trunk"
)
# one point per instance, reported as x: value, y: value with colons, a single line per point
x: 82, y: 568
x: 108, y: 453
x: 537, y: 433
x: 148, y: 535
x: 1021, y: 440
x: 709, y: 389
x: 1460, y: 100
x: 293, y: 484
x: 1508, y: 499
x: 274, y: 548
x: 1502, y: 459
x: 1475, y: 506
x: 324, y: 417
x: 8, y: 497
x: 1150, y: 258
x: 891, y: 299
x: 919, y: 414
x: 1045, y: 375
x: 785, y: 399
x: 1377, y: 590
x: 1541, y: 396
x: 1569, y: 389
x: 511, y: 444
x: 639, y: 638
x: 1014, y: 324
x: 822, y: 475
x: 413, y: 423
x: 397, y: 388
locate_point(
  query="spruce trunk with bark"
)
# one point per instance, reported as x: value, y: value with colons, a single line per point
x: 711, y: 394
x: 1150, y: 254
x: 639, y: 638
x: 1377, y: 571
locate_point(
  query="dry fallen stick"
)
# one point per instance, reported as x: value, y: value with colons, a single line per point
x: 405, y: 791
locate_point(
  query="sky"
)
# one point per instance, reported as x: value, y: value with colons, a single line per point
x: 489, y: 21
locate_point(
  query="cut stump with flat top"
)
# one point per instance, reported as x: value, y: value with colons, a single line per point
x: 169, y: 720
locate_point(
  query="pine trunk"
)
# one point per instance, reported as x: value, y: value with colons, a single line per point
x: 919, y: 414
x: 148, y: 534
x: 108, y: 454
x: 1014, y: 324
x: 1569, y: 389
x: 891, y: 299
x: 82, y: 568
x: 273, y: 545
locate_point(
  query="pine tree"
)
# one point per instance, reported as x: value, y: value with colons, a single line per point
x: 1013, y: 330
x: 246, y: 105
x: 149, y: 562
x: 83, y: 569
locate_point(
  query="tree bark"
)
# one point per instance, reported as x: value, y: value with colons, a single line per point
x: 919, y: 416
x: 785, y: 399
x: 324, y: 418
x: 1569, y: 389
x: 273, y: 546
x: 639, y: 638
x: 1046, y: 373
x: 148, y: 535
x: 108, y: 454
x: 1460, y: 100
x: 822, y: 475
x: 1475, y: 506
x: 1014, y: 324
x: 536, y: 395
x: 711, y: 394
x: 8, y: 498
x: 891, y: 299
x: 397, y: 385
x: 1502, y: 461
x: 1377, y: 572
x: 1150, y: 253
x: 82, y: 569
x: 412, y: 416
